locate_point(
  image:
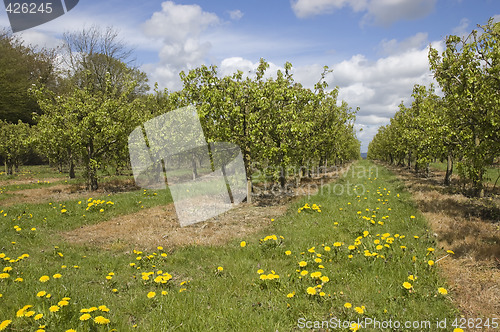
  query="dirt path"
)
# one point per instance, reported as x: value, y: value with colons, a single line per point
x: 156, y: 226
x: 469, y: 227
x: 159, y: 225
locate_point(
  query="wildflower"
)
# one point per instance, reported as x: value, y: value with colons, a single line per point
x: 4, y: 324
x: 412, y: 277
x: 37, y: 317
x: 359, y: 310
x: 412, y: 217
x: 304, y: 272
x: 64, y: 211
x: 85, y: 317
x: 54, y: 308
x: 220, y: 269
x: 302, y: 263
x: 407, y: 285
x: 430, y: 262
x: 151, y: 295
x: 62, y: 303
x: 311, y: 291
x: 57, y: 276
x: 290, y: 295
x: 243, y: 244
x: 327, y: 248
x: 44, y: 278
x: 442, y: 291
x: 4, y: 275
x: 347, y: 305
x: 354, y: 327
x: 101, y: 320
x: 260, y: 271
x: 288, y: 252
x: 325, y: 279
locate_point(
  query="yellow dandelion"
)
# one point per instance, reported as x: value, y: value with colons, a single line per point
x: 311, y: 291
x: 85, y: 317
x: 4, y: 324
x: 57, y: 276
x: 347, y: 305
x: 407, y: 285
x: 288, y: 252
x: 38, y: 317
x: 54, y: 308
x: 359, y: 310
x: 101, y: 320
x: 151, y: 295
x: 430, y: 262
x: 44, y: 278
x: 302, y: 263
x: 442, y: 291
x: 243, y: 244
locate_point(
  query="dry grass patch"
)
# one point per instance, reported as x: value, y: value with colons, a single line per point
x: 156, y: 226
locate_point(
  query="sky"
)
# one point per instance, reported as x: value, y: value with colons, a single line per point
x: 376, y: 48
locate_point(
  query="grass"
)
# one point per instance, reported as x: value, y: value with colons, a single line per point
x: 490, y: 176
x: 200, y: 296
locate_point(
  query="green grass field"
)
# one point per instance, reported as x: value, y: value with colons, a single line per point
x: 361, y: 252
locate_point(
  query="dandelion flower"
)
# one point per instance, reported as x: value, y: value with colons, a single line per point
x: 407, y: 285
x: 288, y: 252
x: 311, y: 291
x: 430, y: 262
x: 4, y: 324
x: 243, y: 244
x: 37, y: 317
x: 359, y: 310
x: 290, y: 295
x: 442, y: 291
x: 263, y: 277
x: 302, y: 263
x: 220, y: 269
x: 151, y: 295
x: 54, y: 308
x: 85, y: 317
x: 260, y: 271
x: 44, y: 278
x: 101, y: 320
x: 347, y: 305
x: 57, y: 276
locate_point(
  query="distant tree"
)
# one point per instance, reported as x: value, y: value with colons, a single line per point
x: 97, y: 57
x: 22, y: 66
x: 15, y: 141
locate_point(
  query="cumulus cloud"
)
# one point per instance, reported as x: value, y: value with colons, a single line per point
x: 379, y: 12
x: 179, y: 28
x: 235, y: 14
x: 462, y: 29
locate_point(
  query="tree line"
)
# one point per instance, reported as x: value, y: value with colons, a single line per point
x: 82, y: 110
x: 461, y: 127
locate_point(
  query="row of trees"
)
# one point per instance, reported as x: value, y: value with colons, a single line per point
x: 463, y: 126
x: 85, y: 119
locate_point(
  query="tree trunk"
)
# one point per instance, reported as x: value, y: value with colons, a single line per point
x: 449, y: 170
x: 193, y: 164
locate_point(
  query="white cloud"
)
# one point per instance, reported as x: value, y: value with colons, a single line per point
x: 40, y: 39
x: 386, y: 12
x: 380, y: 12
x: 462, y: 30
x: 179, y: 28
x: 235, y: 14
x: 392, y: 46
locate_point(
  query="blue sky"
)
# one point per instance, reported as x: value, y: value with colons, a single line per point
x: 376, y: 48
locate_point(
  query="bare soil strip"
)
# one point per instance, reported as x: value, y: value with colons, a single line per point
x: 159, y: 225
x: 471, y: 228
